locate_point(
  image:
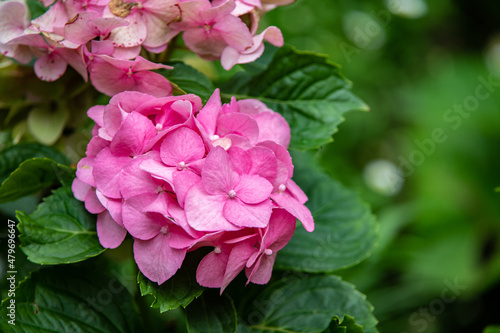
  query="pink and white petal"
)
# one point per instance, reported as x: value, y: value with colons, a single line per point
x: 142, y: 64
x: 106, y: 172
x: 253, y: 189
x: 80, y: 29
x: 204, y: 211
x: 239, y: 124
x: 211, y: 269
x: 294, y: 207
x: 50, y: 67
x: 218, y: 176
x: 245, y: 215
x: 182, y: 145
x: 132, y: 35
x: 13, y: 20
x: 156, y: 259
x: 110, y: 234
x: 126, y: 52
x: 102, y: 47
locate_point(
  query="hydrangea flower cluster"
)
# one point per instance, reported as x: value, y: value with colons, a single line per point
x: 178, y: 176
x: 103, y: 38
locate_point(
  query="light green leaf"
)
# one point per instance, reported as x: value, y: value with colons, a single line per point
x: 345, y: 230
x: 71, y: 299
x: 47, y: 125
x: 180, y: 290
x: 11, y: 157
x: 34, y: 175
x: 188, y: 80
x: 492, y: 329
x: 211, y: 313
x: 300, y: 303
x: 306, y: 88
x: 59, y: 231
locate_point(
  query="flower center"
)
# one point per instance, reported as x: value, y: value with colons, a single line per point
x: 268, y: 252
x: 217, y: 250
x: 231, y: 194
x: 164, y: 230
x: 181, y: 166
x: 282, y: 188
x: 159, y: 127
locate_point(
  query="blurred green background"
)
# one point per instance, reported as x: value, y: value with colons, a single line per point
x: 427, y: 155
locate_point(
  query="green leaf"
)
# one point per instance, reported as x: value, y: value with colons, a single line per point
x: 34, y: 175
x: 59, y: 231
x: 11, y: 157
x: 189, y: 80
x: 47, y: 125
x: 36, y: 8
x: 180, y: 290
x: 306, y: 88
x: 345, y: 232
x: 211, y: 313
x: 492, y: 329
x: 348, y: 325
x: 305, y: 304
x: 71, y: 299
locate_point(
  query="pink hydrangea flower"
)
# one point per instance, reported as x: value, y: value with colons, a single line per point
x: 177, y: 176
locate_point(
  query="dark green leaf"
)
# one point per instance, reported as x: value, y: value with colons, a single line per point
x: 348, y: 325
x: 179, y: 290
x: 189, y: 80
x: 59, y: 231
x: 11, y: 157
x: 71, y: 299
x: 306, y: 88
x: 305, y: 304
x: 34, y: 175
x: 345, y: 232
x: 211, y: 313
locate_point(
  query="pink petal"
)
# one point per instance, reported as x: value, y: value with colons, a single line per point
x: 239, y: 124
x: 158, y: 170
x: 84, y: 170
x: 156, y: 259
x: 294, y: 207
x: 139, y: 224
x: 280, y: 230
x: 133, y: 135
x: 13, y: 20
x: 50, y: 67
x: 234, y: 32
x: 110, y: 234
x: 253, y: 189
x: 92, y: 203
x: 262, y: 271
x: 236, y: 262
x: 182, y: 145
x: 209, y: 114
x: 132, y: 35
x: 211, y: 269
x: 106, y: 172
x: 217, y: 175
x: 80, y: 189
x: 204, y: 211
x: 183, y: 180
x: 246, y: 215
x: 296, y: 191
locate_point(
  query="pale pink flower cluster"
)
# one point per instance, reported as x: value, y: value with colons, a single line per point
x: 177, y: 176
x: 103, y: 38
